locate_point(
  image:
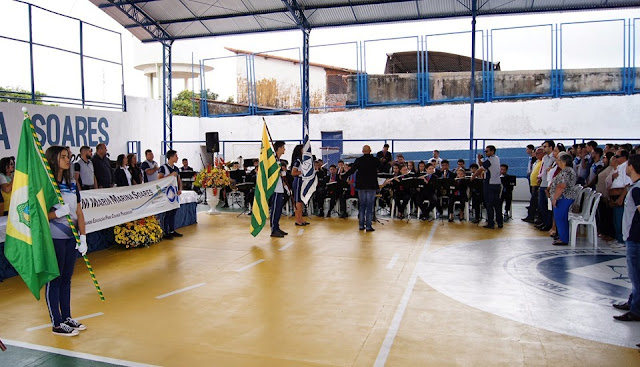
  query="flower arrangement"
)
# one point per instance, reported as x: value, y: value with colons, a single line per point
x: 141, y: 232
x: 216, y: 176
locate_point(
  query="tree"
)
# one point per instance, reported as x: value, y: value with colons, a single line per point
x: 185, y: 104
x: 18, y: 95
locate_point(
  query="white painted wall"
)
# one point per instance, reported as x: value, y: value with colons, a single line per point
x: 592, y: 117
x: 286, y: 73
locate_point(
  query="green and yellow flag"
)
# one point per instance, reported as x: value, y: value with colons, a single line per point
x: 28, y: 245
x: 266, y: 180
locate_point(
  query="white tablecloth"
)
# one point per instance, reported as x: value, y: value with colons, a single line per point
x: 188, y: 196
x: 3, y: 228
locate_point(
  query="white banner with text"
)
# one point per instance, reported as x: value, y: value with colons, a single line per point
x: 104, y: 208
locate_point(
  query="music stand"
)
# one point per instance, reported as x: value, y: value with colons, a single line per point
x: 188, y: 178
x: 327, y: 151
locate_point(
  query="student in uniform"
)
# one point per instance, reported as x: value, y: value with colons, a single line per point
x: 58, y: 291
x: 170, y: 169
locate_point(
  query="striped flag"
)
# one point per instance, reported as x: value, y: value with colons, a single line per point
x: 28, y: 246
x: 309, y: 179
x: 266, y: 180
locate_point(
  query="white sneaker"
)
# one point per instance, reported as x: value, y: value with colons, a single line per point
x: 74, y: 324
x: 64, y: 330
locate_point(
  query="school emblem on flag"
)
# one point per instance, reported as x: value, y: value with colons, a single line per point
x: 28, y: 245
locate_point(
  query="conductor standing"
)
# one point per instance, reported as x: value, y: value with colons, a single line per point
x: 366, y: 169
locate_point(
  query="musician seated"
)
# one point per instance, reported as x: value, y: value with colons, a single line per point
x: 252, y: 173
x: 386, y: 189
x: 401, y: 192
x: 444, y: 171
x: 185, y: 166
x: 350, y: 190
x: 427, y: 198
x: 324, y: 169
x: 385, y: 165
x: 422, y: 168
x: 477, y: 196
x: 459, y: 194
x: 321, y: 187
x: 411, y: 166
x: 507, y: 191
x: 236, y: 176
x: 335, y: 191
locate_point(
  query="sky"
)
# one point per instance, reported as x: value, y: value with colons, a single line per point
x: 58, y: 73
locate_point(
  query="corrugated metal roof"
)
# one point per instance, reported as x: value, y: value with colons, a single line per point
x: 183, y: 19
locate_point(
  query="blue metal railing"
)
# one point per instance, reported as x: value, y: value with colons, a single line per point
x: 510, y: 151
x: 555, y: 71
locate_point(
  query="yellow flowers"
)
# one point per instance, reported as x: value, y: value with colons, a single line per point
x: 141, y: 232
x: 212, y: 177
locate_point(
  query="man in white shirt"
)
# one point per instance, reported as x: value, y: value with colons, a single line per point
x: 436, y: 160
x: 618, y: 183
x: 547, y: 163
x: 492, y: 185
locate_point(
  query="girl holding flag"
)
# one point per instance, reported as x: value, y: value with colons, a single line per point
x: 58, y: 291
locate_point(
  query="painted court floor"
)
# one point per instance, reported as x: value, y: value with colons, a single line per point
x: 409, y: 294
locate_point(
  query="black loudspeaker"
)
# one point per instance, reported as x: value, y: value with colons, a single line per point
x: 213, y: 144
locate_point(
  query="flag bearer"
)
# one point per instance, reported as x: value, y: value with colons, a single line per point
x: 58, y: 291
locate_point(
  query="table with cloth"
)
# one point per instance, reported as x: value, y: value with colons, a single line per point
x: 103, y: 239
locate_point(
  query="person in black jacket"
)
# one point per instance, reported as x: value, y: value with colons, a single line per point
x: 366, y: 169
x: 122, y: 176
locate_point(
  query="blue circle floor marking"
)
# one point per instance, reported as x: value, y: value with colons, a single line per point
x: 565, y: 290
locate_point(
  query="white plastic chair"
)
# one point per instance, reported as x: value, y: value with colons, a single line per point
x: 352, y: 205
x: 585, y: 195
x: 393, y: 209
x: 588, y: 220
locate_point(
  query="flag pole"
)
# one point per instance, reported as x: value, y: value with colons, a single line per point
x: 61, y: 200
x: 269, y: 133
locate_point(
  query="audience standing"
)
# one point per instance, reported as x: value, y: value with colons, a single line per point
x: 102, y: 167
x: 122, y: 176
x: 84, y: 173
x: 170, y: 169
x: 149, y: 167
x: 491, y: 186
x: 7, y: 170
